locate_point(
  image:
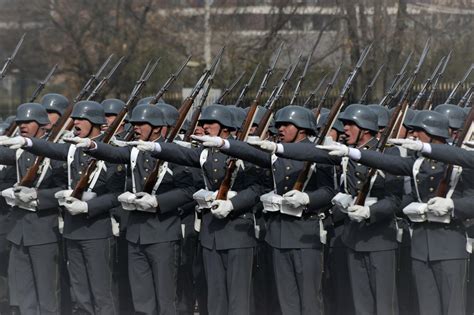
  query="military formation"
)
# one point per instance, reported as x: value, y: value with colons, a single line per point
x: 139, y: 207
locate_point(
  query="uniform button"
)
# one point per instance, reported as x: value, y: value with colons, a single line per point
x: 433, y: 167
x: 215, y: 180
x: 358, y: 164
x: 431, y: 177
x: 146, y: 170
x: 287, y: 177
x: 431, y: 189
x: 80, y: 172
x: 358, y: 182
x: 274, y: 169
x: 216, y: 160
x: 28, y: 159
x: 146, y: 160
x: 144, y: 178
x: 286, y: 188
x: 215, y: 170
x: 83, y: 154
x: 288, y: 168
x: 358, y: 173
x: 82, y: 164
x: 417, y: 180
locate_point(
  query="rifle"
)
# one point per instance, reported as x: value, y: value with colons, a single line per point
x: 301, y: 78
x: 104, y: 80
x: 202, y: 100
x: 368, y: 89
x: 230, y: 88
x: 429, y: 100
x: 459, y: 84
x: 57, y: 131
x: 83, y: 182
x: 42, y: 84
x: 332, y: 116
x: 246, y: 87
x: 443, y: 186
x: 464, y: 102
x: 185, y: 107
x: 426, y: 86
x: 328, y: 89
x: 315, y: 91
x: 10, y: 59
x: 396, y: 117
x: 392, y: 90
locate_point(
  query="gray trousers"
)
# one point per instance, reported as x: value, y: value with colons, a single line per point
x: 4, y: 249
x: 229, y: 280
x: 338, y: 295
x: 373, y: 282
x: 298, y: 275
x: 152, y: 271
x: 34, y: 278
x: 441, y: 286
x: 90, y: 271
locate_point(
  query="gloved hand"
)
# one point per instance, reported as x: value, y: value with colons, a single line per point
x: 440, y: 206
x: 118, y: 143
x: 75, y: 206
x: 13, y: 143
x: 296, y: 198
x: 79, y: 142
x: 221, y: 208
x: 209, y: 141
x: 335, y: 149
x: 141, y: 145
x: 127, y: 199
x: 25, y: 194
x: 263, y: 144
x: 146, y: 202
x: 469, y: 144
x: 358, y: 213
x: 63, y: 194
x: 410, y: 144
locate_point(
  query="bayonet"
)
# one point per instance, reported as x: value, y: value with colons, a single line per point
x: 42, y: 84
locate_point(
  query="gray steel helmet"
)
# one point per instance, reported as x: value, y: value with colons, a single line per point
x: 170, y: 112
x: 361, y: 115
x: 9, y: 119
x: 259, y: 115
x: 410, y: 114
x: 324, y: 110
x: 338, y: 126
x: 32, y: 112
x: 112, y: 106
x: 185, y: 126
x: 299, y: 116
x: 455, y: 114
x: 54, y: 102
x: 146, y: 100
x: 218, y: 113
x: 382, y: 113
x: 271, y: 127
x: 149, y: 114
x: 89, y: 110
x: 238, y: 115
x: 3, y: 128
x: 431, y: 122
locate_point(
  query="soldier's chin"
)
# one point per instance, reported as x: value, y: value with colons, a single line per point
x: 77, y: 132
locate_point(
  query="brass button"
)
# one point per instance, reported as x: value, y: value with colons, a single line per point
x: 146, y: 160
x: 215, y: 170
x: 215, y: 180
x: 431, y: 177
x: 431, y: 189
x: 216, y: 160
x: 288, y: 168
x: 28, y: 159
x: 358, y: 173
x: 433, y: 167
x: 358, y: 182
x: 144, y: 178
x: 80, y: 172
x: 83, y: 154
x: 287, y: 177
x: 146, y: 170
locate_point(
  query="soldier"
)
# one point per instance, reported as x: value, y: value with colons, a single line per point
x: 33, y: 264
x: 438, y: 250
x: 154, y: 229
x: 112, y: 107
x: 383, y: 116
x: 87, y: 223
x: 369, y: 231
x: 55, y: 104
x: 455, y: 115
x: 227, y: 229
x: 293, y: 226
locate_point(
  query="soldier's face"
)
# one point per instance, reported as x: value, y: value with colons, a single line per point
x: 109, y: 119
x: 422, y: 136
x: 288, y: 133
x: 82, y: 128
x: 142, y: 131
x: 28, y: 128
x: 53, y: 118
x: 211, y: 128
x: 352, y: 133
x: 199, y: 131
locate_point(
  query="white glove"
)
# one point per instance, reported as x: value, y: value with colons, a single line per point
x: 75, y: 206
x: 63, y: 194
x: 358, y: 213
x: 13, y: 143
x: 336, y: 149
x: 221, y: 208
x: 127, y: 199
x: 146, y: 202
x: 79, y: 142
x: 296, y: 198
x: 469, y: 144
x: 263, y: 144
x: 410, y: 144
x: 143, y: 145
x: 25, y: 194
x: 118, y: 143
x: 209, y: 141
x: 440, y: 206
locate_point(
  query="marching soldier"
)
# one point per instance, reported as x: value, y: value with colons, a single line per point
x: 55, y: 104
x: 227, y: 229
x: 87, y: 223
x: 369, y: 231
x: 293, y: 224
x: 154, y: 229
x: 438, y: 249
x: 33, y: 264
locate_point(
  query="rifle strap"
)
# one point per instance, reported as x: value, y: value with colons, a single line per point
x: 70, y: 158
x: 18, y: 153
x: 133, y: 164
x: 43, y: 170
x: 163, y: 170
x: 453, y: 181
x: 96, y: 173
x: 202, y: 160
x: 344, y: 164
x: 416, y: 170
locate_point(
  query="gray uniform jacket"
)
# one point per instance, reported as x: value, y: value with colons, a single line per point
x: 237, y: 229
x: 430, y: 241
x: 451, y: 154
x: 285, y: 231
x: 378, y: 232
x: 96, y: 223
x: 7, y: 180
x: 174, y: 191
x: 41, y: 226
